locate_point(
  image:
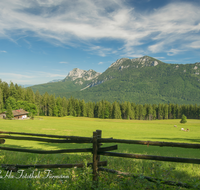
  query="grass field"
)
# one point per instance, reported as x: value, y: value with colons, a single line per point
x: 158, y: 130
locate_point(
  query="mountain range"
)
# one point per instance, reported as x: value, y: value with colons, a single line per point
x: 140, y: 80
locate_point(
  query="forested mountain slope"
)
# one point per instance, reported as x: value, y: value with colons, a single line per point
x: 76, y: 80
x: 142, y: 80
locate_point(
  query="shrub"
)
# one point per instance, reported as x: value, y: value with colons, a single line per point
x: 183, y: 119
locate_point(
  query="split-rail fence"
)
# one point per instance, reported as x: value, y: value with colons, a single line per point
x: 96, y: 151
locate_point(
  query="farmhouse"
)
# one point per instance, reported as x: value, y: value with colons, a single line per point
x: 2, y: 115
x: 18, y: 114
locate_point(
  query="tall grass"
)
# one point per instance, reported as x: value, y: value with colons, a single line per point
x: 82, y: 178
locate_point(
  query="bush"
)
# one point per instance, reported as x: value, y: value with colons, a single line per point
x: 183, y: 119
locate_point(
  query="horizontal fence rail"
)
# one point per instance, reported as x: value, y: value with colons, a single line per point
x: 45, y: 139
x: 45, y: 135
x: 47, y: 151
x: 152, y: 143
x: 59, y: 151
x: 151, y: 157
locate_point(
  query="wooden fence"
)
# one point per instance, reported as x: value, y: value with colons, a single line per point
x: 96, y: 151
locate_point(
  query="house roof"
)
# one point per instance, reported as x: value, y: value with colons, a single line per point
x: 19, y: 112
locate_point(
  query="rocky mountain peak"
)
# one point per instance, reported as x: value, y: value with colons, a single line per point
x: 79, y: 73
x: 136, y: 62
x: 118, y: 62
x: 145, y: 61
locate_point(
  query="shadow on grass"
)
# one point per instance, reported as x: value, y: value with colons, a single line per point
x: 179, y: 140
x: 36, y: 158
x: 168, y: 171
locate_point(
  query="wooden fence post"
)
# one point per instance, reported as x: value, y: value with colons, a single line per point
x: 99, y: 133
x: 2, y: 141
x: 95, y: 160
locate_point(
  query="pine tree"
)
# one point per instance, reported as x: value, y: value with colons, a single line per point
x: 71, y: 106
x: 198, y: 112
x: 178, y: 111
x: 160, y: 111
x: 1, y: 100
x: 9, y: 114
x: 50, y: 112
x: 170, y: 111
x: 30, y: 96
x: 45, y: 103
x: 90, y: 109
x: 133, y: 111
x: 5, y: 91
x: 60, y: 113
x: 123, y: 107
x: 60, y: 109
x: 17, y: 96
x: 12, y: 102
x: 174, y: 111
x: 128, y: 111
x: 37, y: 100
x: 195, y: 111
x: 83, y: 108
x: 142, y: 112
x: 12, y: 91
x: 145, y: 111
x: 116, y: 111
x: 64, y: 105
x: 165, y: 111
x: 154, y: 106
x: 21, y: 93
x: 55, y: 111
x: 106, y: 111
x: 77, y: 108
x: 100, y: 108
x: 150, y: 112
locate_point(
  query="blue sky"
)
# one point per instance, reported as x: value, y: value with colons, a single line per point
x: 42, y: 40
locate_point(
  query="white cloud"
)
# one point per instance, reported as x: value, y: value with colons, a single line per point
x: 56, y: 21
x: 3, y: 51
x: 11, y: 75
x: 100, y: 63
x: 63, y: 62
x: 195, y: 45
x: 173, y: 52
x: 36, y: 77
x: 159, y: 57
x: 170, y: 61
x: 98, y: 50
x: 49, y: 75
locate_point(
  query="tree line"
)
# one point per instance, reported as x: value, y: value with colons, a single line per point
x: 16, y: 97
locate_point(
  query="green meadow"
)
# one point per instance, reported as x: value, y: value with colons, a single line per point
x: 156, y: 130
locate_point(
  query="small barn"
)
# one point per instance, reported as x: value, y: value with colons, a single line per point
x: 20, y: 114
x: 2, y: 115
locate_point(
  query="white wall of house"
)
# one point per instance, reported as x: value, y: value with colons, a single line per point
x: 24, y: 116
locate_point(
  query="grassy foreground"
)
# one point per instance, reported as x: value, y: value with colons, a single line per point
x: 159, y: 130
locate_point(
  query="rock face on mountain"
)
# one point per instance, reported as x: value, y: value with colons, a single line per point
x: 137, y: 62
x: 145, y: 61
x: 118, y: 62
x: 85, y: 75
